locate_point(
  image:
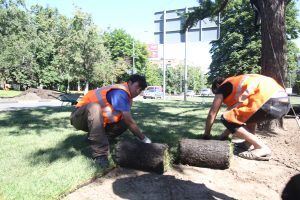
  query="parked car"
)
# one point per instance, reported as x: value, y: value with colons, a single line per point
x: 190, y: 93
x: 154, y: 87
x: 206, y: 92
x: 153, y: 94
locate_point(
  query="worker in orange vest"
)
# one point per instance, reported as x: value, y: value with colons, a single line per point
x: 250, y: 98
x: 105, y: 113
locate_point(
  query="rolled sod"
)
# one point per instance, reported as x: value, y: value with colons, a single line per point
x: 204, y: 153
x: 134, y: 154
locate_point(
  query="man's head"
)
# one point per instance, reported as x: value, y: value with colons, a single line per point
x: 136, y: 84
x: 216, y: 84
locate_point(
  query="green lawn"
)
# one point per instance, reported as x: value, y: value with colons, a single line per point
x: 9, y: 93
x: 44, y: 157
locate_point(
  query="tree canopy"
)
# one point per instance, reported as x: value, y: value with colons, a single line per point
x: 239, y: 48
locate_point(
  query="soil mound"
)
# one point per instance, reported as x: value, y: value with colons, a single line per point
x: 34, y: 94
x: 40, y: 93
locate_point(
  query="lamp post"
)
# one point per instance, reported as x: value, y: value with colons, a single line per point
x: 133, y: 58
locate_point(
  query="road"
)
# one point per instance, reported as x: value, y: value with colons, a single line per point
x: 28, y: 104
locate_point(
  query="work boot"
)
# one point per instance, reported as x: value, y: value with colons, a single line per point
x: 102, y: 161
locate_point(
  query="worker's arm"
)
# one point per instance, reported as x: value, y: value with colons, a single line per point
x: 133, y: 127
x: 212, y: 114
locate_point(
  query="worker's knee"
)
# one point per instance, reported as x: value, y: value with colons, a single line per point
x: 232, y: 127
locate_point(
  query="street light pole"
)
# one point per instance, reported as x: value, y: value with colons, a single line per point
x: 133, y: 57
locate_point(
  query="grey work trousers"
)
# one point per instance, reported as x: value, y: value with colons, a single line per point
x: 89, y: 118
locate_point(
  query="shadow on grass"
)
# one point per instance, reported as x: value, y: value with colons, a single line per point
x: 152, y: 186
x: 29, y: 121
x: 163, y: 122
x: 72, y: 146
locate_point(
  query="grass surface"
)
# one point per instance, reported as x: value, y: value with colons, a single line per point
x: 9, y: 93
x: 44, y: 157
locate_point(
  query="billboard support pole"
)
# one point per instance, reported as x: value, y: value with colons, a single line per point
x: 185, y: 62
x: 164, y: 60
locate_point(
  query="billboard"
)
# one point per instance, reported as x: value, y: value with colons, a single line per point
x: 153, y: 50
x: 168, y: 26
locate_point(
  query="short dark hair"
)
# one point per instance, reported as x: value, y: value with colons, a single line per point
x: 217, y: 81
x: 140, y: 79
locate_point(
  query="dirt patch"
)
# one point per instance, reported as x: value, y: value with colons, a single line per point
x: 33, y: 94
x: 245, y: 179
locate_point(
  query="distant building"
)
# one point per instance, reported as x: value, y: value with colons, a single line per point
x: 170, y: 40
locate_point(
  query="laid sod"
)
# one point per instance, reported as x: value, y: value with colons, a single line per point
x: 44, y: 157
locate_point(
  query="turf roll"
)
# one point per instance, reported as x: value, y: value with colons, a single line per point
x: 134, y: 154
x: 204, y: 153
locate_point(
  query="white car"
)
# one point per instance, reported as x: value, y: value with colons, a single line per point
x: 206, y: 92
x: 153, y: 94
x: 190, y: 93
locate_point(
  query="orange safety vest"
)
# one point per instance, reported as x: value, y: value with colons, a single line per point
x: 248, y: 94
x: 99, y: 96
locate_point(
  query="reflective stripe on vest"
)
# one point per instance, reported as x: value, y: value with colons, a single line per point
x: 241, y: 97
x: 109, y: 114
x: 249, y: 93
x: 105, y: 109
x: 99, y: 96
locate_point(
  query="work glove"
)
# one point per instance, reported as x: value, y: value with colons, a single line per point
x: 146, y: 140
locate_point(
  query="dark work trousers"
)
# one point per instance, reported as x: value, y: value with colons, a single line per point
x: 89, y: 118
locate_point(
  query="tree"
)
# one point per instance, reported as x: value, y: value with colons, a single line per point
x: 122, y: 45
x: 153, y: 74
x: 197, y: 80
x: 14, y: 46
x: 43, y: 48
x: 273, y: 33
x: 237, y: 50
x: 85, y: 49
x: 272, y: 27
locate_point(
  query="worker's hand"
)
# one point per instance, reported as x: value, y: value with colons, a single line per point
x: 146, y: 140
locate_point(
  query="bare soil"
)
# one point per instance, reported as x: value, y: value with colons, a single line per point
x: 33, y: 94
x: 244, y: 179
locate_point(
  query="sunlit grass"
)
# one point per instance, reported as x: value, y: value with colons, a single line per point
x: 9, y: 93
x: 44, y: 157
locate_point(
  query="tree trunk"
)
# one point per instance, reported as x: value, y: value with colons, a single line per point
x: 86, y: 89
x: 204, y: 153
x: 78, y: 86
x: 274, y: 46
x: 147, y: 157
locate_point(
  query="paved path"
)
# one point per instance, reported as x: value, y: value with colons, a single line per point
x: 16, y: 105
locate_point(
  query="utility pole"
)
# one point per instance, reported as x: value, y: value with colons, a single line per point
x: 133, y: 57
x: 185, y: 63
x: 164, y: 60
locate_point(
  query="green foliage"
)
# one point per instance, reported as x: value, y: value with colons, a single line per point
x: 122, y: 45
x: 41, y: 47
x: 292, y: 24
x: 154, y: 75
x: 14, y: 36
x: 238, y: 50
x: 196, y: 79
x: 175, y: 79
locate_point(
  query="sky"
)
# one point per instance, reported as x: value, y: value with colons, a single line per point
x: 136, y: 17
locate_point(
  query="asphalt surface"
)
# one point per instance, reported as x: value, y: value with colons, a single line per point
x: 17, y: 105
